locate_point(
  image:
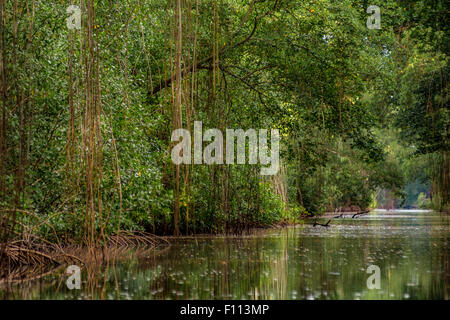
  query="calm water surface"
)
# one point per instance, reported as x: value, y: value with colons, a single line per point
x: 411, y: 248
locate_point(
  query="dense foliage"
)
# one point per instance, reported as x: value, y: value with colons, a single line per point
x: 87, y: 114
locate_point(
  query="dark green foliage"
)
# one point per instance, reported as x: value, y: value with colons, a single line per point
x: 312, y: 69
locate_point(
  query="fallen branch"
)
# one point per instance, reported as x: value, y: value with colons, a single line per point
x: 326, y: 225
x: 340, y: 215
x: 359, y: 213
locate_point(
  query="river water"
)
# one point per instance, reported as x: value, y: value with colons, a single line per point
x: 410, y: 248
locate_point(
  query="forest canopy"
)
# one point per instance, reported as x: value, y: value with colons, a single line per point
x: 87, y: 112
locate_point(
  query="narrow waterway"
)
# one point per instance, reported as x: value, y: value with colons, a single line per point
x: 410, y: 248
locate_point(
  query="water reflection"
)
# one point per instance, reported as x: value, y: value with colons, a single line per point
x: 306, y: 262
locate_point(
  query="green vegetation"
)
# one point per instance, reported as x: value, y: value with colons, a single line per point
x: 86, y: 115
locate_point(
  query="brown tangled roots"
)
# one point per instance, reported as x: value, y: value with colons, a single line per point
x: 33, y: 257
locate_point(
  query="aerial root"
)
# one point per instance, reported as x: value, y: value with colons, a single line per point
x: 129, y: 239
x: 32, y: 257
